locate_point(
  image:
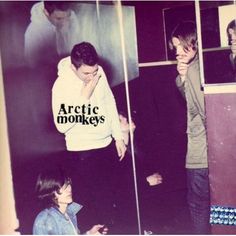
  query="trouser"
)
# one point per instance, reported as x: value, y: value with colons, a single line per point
x: 93, y: 173
x: 199, y: 199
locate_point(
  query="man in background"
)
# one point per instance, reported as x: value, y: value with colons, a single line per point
x: 231, y: 32
x: 184, y: 41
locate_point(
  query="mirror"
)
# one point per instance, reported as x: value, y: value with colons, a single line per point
x: 173, y: 16
x: 218, y: 46
x: 34, y: 141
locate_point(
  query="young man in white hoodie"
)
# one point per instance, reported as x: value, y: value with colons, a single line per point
x: 51, y: 33
x: 85, y: 112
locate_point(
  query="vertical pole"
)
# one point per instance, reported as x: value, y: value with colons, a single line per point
x: 8, y: 219
x: 121, y: 26
x: 199, y: 39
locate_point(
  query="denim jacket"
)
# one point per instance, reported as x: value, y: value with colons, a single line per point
x: 52, y: 221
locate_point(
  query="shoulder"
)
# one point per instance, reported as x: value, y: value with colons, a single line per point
x: 102, y: 73
x: 64, y: 72
x: 64, y: 63
x: 39, y: 24
x: 44, y: 215
x: 193, y: 73
x: 44, y: 222
x: 194, y: 66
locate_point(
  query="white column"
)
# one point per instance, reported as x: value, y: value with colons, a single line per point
x: 8, y: 219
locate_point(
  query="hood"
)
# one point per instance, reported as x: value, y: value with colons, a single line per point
x: 37, y: 14
x: 64, y: 69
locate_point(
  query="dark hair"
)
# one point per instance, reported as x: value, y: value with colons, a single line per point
x: 84, y: 53
x: 231, y: 25
x: 51, y: 6
x: 48, y: 183
x: 185, y: 31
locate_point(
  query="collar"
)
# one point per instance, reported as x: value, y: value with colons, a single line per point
x: 72, y: 209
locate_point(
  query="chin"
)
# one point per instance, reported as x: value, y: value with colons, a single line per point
x: 70, y: 200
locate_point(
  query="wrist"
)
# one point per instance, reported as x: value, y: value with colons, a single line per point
x: 182, y: 77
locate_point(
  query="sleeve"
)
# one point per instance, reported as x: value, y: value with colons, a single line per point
x: 29, y: 44
x: 113, y: 113
x: 33, y: 41
x: 195, y: 81
x: 44, y: 226
x: 180, y: 85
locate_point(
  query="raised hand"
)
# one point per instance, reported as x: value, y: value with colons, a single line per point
x: 182, y: 67
x: 89, y: 85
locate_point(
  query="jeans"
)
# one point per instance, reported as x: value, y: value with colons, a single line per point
x: 199, y: 199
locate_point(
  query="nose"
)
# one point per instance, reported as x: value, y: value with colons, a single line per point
x: 69, y: 188
x: 179, y: 51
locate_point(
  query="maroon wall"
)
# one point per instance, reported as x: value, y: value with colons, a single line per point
x: 221, y: 133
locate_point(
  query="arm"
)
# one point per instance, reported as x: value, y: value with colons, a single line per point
x: 44, y: 225
x: 182, y: 68
x: 113, y: 114
x: 180, y: 85
x: 195, y: 86
x: 31, y: 44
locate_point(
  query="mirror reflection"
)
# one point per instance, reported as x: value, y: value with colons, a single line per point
x: 218, y: 40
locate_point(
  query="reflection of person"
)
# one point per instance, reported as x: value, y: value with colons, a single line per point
x: 51, y: 32
x: 59, y: 215
x: 184, y: 41
x: 220, y: 66
x: 231, y: 32
x: 85, y: 112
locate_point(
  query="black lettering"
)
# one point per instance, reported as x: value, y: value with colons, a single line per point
x: 69, y: 109
x: 85, y: 120
x: 77, y: 107
x: 102, y: 119
x: 71, y: 119
x: 62, y: 109
x: 78, y: 119
x: 83, y: 109
x: 94, y: 110
x: 61, y: 119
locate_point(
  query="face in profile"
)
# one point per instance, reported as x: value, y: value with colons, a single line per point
x: 58, y: 18
x: 186, y: 55
x: 232, y: 35
x: 65, y: 194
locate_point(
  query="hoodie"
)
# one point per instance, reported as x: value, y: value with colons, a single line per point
x: 43, y: 41
x: 86, y: 124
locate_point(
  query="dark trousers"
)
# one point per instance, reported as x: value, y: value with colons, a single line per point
x: 199, y: 199
x: 93, y: 175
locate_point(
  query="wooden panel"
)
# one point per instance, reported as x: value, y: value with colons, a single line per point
x: 221, y: 134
